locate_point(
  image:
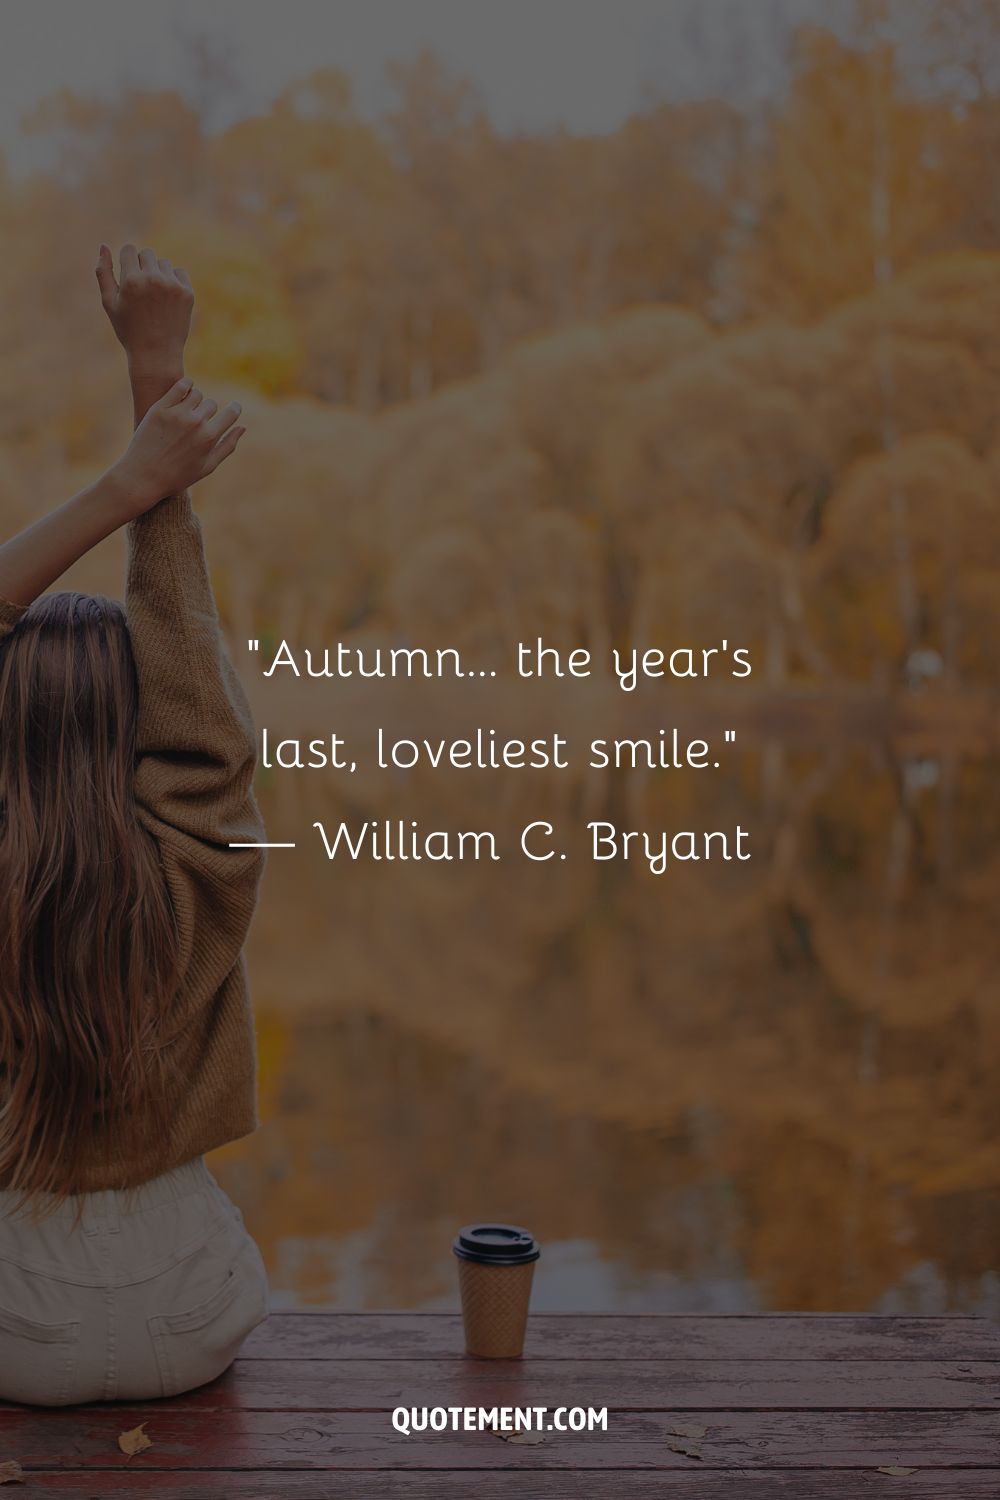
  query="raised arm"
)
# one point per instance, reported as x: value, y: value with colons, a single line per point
x: 32, y: 561
x: 179, y: 440
x: 179, y: 437
x: 196, y: 740
x: 182, y: 441
x: 149, y: 307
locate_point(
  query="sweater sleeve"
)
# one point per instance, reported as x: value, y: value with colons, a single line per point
x: 9, y: 616
x: 196, y: 744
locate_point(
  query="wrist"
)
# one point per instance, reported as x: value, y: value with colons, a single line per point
x: 121, y: 494
x: 152, y: 377
x: 150, y: 381
x: 156, y: 364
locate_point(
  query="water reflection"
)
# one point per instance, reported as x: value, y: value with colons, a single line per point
x: 722, y: 1089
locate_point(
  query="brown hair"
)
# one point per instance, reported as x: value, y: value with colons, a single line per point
x: 87, y: 934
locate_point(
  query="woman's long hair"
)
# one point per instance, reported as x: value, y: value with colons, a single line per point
x: 87, y: 934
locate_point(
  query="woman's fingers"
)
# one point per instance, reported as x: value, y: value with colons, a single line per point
x: 147, y: 259
x: 211, y: 426
x: 106, y: 275
x: 182, y: 276
x: 129, y: 261
x: 223, y: 448
x: 225, y: 419
x: 165, y: 266
x: 178, y: 392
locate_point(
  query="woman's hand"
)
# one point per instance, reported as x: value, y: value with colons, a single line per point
x: 149, y: 309
x: 181, y: 438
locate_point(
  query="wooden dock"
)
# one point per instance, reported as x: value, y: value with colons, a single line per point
x: 767, y: 1408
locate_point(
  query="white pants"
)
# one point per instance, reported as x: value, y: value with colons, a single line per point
x: 125, y: 1295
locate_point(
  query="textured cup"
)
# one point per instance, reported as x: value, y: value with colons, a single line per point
x: 496, y: 1265
x: 495, y: 1308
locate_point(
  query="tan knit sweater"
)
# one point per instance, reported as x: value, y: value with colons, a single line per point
x: 193, y: 792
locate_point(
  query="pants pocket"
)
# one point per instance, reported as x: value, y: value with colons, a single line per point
x: 196, y: 1345
x: 37, y: 1360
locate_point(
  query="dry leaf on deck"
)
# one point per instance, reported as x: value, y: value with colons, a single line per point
x: 687, y: 1429
x: 896, y: 1470
x: 11, y: 1472
x: 134, y: 1441
x: 689, y: 1450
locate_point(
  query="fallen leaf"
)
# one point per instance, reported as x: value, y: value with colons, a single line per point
x: 517, y: 1437
x: 134, y: 1441
x: 896, y: 1470
x: 689, y: 1450
x: 11, y: 1472
x: 687, y: 1429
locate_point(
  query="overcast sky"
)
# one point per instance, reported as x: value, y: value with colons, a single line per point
x: 585, y: 64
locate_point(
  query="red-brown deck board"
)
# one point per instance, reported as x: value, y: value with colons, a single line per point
x: 808, y: 1408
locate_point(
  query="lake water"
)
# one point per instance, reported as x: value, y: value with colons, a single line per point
x: 731, y: 1087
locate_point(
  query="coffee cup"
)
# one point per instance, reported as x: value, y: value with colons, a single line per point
x: 496, y: 1266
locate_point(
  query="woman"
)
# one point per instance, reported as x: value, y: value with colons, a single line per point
x: 126, y: 1042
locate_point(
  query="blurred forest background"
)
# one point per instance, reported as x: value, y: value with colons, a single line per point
x: 731, y: 369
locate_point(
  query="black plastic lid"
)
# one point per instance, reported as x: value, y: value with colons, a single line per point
x: 496, y: 1245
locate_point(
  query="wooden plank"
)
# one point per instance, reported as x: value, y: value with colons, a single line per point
x: 651, y: 1385
x: 788, y: 1484
x: 366, y: 1440
x: 288, y: 1335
